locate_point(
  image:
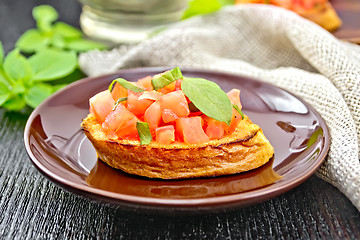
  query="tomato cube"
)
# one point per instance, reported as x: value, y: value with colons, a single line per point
x: 190, y: 130
x: 165, y: 134
x: 151, y: 95
x: 234, y: 96
x: 119, y: 92
x: 101, y: 105
x: 173, y: 106
x: 214, y: 128
x: 283, y: 3
x: 136, y: 106
x: 178, y: 84
x: 122, y: 122
x: 153, y: 116
x: 235, y: 119
x: 168, y: 88
x: 145, y: 83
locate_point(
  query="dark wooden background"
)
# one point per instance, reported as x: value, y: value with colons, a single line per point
x: 31, y: 207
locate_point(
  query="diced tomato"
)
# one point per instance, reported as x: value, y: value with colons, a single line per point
x: 283, y: 3
x: 297, y: 7
x: 101, y: 105
x: 235, y: 119
x: 145, y: 83
x: 308, y: 4
x: 173, y: 106
x: 151, y: 95
x: 190, y: 130
x: 122, y: 122
x: 153, y: 116
x: 178, y: 84
x: 174, y: 86
x: 214, y: 128
x: 165, y: 134
x: 168, y: 88
x: 136, y: 106
x: 118, y: 92
x: 234, y: 96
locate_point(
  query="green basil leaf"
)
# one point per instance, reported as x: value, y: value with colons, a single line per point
x: 125, y: 84
x: 3, y: 78
x: 144, y: 133
x: 5, y: 92
x: 31, y: 41
x: 51, y: 64
x: 14, y: 103
x: 226, y: 2
x: 197, y: 7
x: 4, y: 88
x: 44, y: 15
x: 163, y: 79
x: 17, y: 67
x: 4, y: 97
x: 176, y: 73
x: 83, y: 45
x: 1, y: 54
x: 209, y: 98
x: 119, y: 101
x: 18, y: 87
x: 238, y: 110
x: 58, y: 41
x: 66, y: 31
x: 37, y: 93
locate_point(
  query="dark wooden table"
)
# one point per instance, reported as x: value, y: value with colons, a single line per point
x: 32, y: 207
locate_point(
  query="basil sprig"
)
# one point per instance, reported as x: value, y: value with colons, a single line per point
x: 50, y: 62
x: 209, y: 98
x: 53, y: 34
x: 125, y: 84
x: 163, y: 79
x: 28, y: 81
x: 144, y: 133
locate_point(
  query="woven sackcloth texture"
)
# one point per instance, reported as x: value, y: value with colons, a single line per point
x: 274, y: 45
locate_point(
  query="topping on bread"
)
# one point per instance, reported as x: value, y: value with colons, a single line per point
x: 169, y: 126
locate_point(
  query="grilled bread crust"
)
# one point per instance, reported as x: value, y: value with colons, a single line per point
x: 245, y: 149
x: 323, y: 14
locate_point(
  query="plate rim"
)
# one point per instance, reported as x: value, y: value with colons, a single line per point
x: 261, y: 194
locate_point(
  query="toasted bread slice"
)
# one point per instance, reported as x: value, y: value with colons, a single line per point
x: 245, y: 149
x: 321, y: 13
x: 324, y: 15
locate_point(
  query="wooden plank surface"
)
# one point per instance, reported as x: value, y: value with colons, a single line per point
x: 31, y: 207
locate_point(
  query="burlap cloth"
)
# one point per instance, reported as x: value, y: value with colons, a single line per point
x: 274, y: 45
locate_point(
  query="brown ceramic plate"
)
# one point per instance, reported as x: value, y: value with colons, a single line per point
x: 60, y: 150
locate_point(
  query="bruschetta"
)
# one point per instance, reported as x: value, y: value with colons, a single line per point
x: 170, y: 127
